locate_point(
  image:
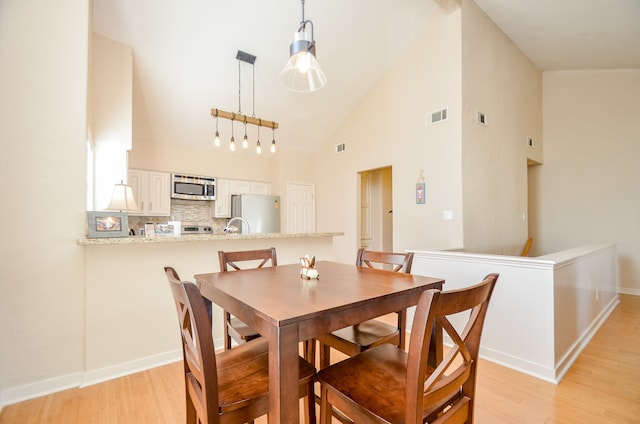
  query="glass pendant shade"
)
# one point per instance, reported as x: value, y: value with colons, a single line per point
x: 122, y: 199
x: 302, y: 73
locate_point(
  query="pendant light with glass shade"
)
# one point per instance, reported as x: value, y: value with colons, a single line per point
x: 302, y: 73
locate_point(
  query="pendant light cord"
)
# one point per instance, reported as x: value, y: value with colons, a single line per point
x: 239, y: 91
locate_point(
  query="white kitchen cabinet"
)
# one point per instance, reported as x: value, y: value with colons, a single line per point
x: 258, y: 187
x: 226, y: 188
x: 240, y: 187
x: 222, y: 206
x: 152, y: 191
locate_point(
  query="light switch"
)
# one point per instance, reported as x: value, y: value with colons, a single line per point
x: 447, y: 215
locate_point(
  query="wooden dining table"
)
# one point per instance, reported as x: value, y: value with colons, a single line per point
x: 287, y: 309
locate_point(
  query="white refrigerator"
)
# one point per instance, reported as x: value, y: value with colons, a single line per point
x: 262, y: 212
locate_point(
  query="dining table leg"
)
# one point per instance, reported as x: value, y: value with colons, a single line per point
x: 283, y: 375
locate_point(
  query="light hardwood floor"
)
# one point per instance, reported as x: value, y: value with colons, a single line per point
x: 603, y: 386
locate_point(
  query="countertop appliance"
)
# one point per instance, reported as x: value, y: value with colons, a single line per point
x: 261, y: 212
x: 196, y: 229
x: 193, y: 187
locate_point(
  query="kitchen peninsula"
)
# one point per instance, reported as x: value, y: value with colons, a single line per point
x: 130, y: 315
x: 200, y: 237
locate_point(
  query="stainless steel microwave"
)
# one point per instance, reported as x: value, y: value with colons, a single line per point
x: 193, y: 187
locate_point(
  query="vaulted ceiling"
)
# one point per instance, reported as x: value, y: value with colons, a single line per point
x: 185, y: 55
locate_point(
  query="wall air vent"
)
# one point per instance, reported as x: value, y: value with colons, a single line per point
x: 435, y: 117
x: 341, y: 147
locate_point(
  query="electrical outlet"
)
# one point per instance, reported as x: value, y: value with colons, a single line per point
x: 481, y: 118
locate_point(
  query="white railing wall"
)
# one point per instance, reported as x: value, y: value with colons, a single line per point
x: 543, y: 311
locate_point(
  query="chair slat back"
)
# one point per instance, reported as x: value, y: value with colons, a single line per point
x: 399, y: 262
x: 252, y: 258
x: 199, y: 354
x: 454, y: 378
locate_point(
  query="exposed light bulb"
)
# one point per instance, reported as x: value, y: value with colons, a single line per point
x: 232, y: 145
x: 245, y: 141
x: 258, y: 148
x: 303, y: 62
x: 273, y: 140
x: 216, y: 140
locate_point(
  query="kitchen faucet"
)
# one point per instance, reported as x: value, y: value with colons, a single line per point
x: 228, y: 229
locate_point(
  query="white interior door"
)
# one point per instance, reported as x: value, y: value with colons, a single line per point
x: 366, y: 220
x: 376, y: 209
x: 301, y: 210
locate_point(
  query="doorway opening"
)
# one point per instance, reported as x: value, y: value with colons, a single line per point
x: 375, y: 224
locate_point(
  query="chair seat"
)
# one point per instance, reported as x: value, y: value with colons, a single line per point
x: 249, y: 364
x: 241, y: 330
x: 376, y: 378
x: 358, y: 338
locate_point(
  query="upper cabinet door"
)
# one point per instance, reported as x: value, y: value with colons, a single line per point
x: 240, y: 187
x: 159, y: 194
x: 152, y: 191
x: 222, y: 205
x: 139, y: 180
x: 260, y: 188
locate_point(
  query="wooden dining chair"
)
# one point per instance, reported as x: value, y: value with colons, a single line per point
x: 231, y: 386
x: 234, y: 329
x: 173, y: 277
x: 358, y: 338
x: 385, y: 384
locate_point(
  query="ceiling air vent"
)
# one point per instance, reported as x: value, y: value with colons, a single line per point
x: 341, y: 147
x: 435, y: 117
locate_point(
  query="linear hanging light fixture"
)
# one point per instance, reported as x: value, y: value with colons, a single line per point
x: 245, y: 119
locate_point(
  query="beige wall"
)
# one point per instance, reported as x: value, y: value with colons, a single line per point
x: 204, y: 160
x: 43, y: 81
x: 583, y: 193
x: 110, y: 119
x: 586, y: 191
x: 498, y: 80
x: 388, y: 129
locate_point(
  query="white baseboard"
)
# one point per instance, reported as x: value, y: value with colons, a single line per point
x: 80, y: 379
x: 126, y: 368
x: 540, y: 371
x: 633, y: 292
x: 40, y: 388
x: 563, y: 365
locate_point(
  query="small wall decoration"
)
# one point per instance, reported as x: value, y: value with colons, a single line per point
x: 420, y: 190
x: 107, y: 224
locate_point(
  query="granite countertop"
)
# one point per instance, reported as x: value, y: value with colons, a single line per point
x: 198, y: 237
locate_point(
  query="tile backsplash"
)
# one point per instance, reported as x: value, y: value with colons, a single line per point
x: 190, y: 212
